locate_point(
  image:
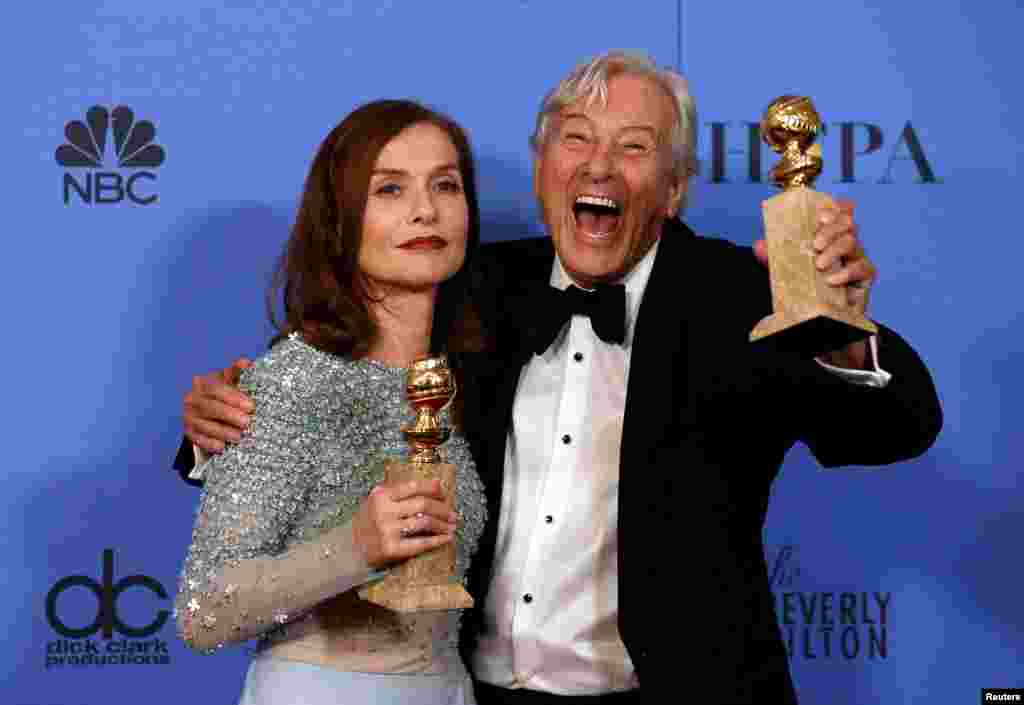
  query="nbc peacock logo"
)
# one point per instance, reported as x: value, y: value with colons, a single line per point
x: 133, y: 149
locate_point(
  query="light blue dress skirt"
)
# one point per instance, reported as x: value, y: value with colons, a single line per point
x: 272, y: 681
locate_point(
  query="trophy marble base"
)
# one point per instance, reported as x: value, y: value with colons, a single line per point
x: 425, y: 582
x: 811, y: 333
x: 811, y: 317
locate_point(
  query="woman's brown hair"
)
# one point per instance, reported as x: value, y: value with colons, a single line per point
x: 324, y: 296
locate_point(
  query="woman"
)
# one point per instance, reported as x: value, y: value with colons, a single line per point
x: 295, y: 516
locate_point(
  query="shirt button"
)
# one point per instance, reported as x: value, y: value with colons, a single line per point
x: 578, y: 357
x: 566, y: 439
x: 549, y: 519
x: 527, y: 598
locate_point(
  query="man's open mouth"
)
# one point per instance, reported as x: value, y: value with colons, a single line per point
x: 596, y: 215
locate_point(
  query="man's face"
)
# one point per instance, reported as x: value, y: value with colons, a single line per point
x: 605, y: 182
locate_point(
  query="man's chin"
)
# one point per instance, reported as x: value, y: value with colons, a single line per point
x: 592, y: 268
x: 585, y: 239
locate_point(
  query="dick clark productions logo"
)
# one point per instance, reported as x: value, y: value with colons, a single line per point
x: 134, y: 152
x: 78, y: 648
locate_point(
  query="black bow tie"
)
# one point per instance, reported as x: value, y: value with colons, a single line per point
x: 605, y: 305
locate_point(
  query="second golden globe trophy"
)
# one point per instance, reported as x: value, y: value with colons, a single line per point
x: 810, y: 316
x: 427, y: 581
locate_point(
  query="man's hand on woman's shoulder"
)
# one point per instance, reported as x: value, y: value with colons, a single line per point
x: 215, y: 412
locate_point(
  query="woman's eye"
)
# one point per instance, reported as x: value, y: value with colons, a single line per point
x: 449, y: 186
x: 388, y: 190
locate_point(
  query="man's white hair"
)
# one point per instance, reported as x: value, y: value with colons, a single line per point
x: 589, y: 82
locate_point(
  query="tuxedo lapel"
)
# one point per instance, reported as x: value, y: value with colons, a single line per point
x: 659, y: 360
x: 656, y: 395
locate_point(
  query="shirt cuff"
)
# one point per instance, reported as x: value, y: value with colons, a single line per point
x: 877, y: 378
x: 201, y: 457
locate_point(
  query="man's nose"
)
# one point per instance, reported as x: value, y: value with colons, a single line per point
x: 600, y: 163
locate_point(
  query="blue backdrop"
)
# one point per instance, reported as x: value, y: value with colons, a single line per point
x: 115, y: 298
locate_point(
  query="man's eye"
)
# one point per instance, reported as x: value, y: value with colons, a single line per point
x: 635, y: 147
x: 388, y: 190
x: 575, y: 137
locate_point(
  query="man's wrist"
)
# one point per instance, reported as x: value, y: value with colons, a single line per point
x: 872, y: 376
x: 855, y: 356
x: 201, y: 456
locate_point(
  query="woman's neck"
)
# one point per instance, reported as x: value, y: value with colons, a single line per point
x: 404, y: 321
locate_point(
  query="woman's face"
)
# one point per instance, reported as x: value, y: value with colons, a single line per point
x: 416, y: 221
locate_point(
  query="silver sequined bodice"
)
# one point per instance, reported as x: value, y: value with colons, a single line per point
x: 271, y: 552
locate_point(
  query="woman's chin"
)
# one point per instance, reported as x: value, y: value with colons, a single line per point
x: 423, y: 284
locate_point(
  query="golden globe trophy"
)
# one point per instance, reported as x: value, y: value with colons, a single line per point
x: 427, y: 581
x: 810, y: 316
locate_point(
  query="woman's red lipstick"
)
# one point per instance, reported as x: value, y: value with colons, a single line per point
x: 423, y: 243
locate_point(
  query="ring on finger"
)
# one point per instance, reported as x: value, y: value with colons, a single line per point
x: 409, y: 529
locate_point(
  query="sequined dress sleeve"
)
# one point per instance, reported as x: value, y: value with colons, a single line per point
x: 243, y: 573
x: 272, y: 553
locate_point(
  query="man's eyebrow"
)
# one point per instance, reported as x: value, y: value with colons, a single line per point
x: 641, y: 126
x: 646, y: 128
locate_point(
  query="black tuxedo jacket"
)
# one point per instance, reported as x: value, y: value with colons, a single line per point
x: 708, y: 421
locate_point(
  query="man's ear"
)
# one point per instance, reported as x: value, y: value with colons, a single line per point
x: 675, y: 196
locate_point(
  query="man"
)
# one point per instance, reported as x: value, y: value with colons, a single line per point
x: 629, y: 458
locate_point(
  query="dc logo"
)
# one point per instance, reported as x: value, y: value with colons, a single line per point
x: 107, y: 594
x: 133, y: 148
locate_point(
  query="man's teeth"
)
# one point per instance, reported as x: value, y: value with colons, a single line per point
x: 596, y: 201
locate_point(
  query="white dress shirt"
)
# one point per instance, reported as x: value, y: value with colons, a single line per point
x: 552, y: 608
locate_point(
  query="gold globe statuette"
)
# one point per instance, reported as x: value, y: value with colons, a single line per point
x: 810, y: 316
x: 427, y: 581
